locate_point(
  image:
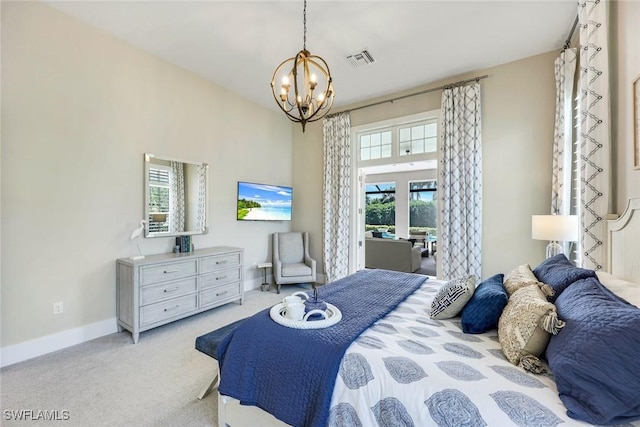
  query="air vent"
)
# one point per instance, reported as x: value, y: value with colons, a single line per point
x: 360, y: 58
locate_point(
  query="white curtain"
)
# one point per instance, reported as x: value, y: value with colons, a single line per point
x: 460, y: 183
x: 336, y: 195
x: 565, y: 70
x: 201, y: 214
x: 563, y: 176
x: 593, y: 133
x: 176, y: 201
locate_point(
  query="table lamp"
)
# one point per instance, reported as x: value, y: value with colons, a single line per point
x: 555, y: 228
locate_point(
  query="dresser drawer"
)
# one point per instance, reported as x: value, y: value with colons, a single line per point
x: 219, y: 278
x: 214, y: 263
x: 162, y: 311
x: 155, y: 293
x: 171, y: 270
x: 211, y: 296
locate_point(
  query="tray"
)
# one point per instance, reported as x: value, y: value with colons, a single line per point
x: 333, y: 316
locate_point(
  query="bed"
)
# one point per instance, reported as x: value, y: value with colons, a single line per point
x: 409, y: 369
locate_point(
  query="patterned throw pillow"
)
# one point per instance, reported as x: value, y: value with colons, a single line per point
x: 519, y: 277
x: 483, y: 310
x: 452, y: 297
x: 525, y: 327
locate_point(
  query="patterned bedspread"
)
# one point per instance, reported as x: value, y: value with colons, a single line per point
x: 409, y: 370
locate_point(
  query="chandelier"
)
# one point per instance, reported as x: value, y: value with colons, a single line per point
x: 306, y: 90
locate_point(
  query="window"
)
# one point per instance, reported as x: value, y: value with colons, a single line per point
x: 376, y: 145
x: 410, y: 137
x: 159, y: 193
x: 380, y: 211
x: 423, y: 203
x: 418, y: 139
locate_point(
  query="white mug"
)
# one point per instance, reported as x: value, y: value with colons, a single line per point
x: 291, y: 299
x: 295, y: 311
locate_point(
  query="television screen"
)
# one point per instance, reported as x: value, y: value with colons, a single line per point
x: 263, y: 202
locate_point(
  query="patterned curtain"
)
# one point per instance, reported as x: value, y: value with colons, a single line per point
x: 563, y: 144
x: 176, y: 201
x: 336, y: 195
x: 201, y: 214
x: 565, y: 69
x: 593, y: 133
x: 460, y: 183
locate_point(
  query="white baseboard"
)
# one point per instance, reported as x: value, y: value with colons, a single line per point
x: 54, y: 342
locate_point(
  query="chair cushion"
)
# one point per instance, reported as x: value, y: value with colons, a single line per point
x: 483, y: 310
x: 291, y: 248
x: 296, y: 269
x: 558, y: 272
x: 452, y: 297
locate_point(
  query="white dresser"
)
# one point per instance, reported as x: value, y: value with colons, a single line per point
x: 159, y: 289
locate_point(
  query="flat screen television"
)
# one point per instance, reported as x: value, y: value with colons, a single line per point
x: 264, y: 202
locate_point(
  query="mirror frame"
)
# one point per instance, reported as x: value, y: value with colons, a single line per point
x: 147, y: 162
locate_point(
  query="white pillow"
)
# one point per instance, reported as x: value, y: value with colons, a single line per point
x: 368, y: 234
x: 452, y: 297
x: 628, y: 291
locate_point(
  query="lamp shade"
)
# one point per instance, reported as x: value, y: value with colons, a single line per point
x: 559, y: 228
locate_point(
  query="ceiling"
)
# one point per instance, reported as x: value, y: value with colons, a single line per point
x: 238, y: 44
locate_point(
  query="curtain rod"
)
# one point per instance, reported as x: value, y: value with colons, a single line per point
x: 567, y: 43
x: 433, y: 89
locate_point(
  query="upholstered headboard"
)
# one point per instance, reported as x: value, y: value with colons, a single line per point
x: 623, y: 254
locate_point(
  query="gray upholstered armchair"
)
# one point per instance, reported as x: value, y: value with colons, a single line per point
x: 291, y: 260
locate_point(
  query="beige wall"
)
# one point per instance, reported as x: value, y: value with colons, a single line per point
x: 518, y: 113
x: 79, y: 110
x: 625, y: 67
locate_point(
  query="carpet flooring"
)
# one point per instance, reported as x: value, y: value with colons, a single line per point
x: 111, y: 382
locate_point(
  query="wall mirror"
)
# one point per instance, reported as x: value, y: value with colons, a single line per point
x: 176, y: 195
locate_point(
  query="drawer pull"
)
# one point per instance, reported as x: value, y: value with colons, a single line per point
x: 221, y: 277
x: 171, y: 290
x: 221, y: 293
x: 221, y: 262
x: 172, y: 308
x: 171, y: 271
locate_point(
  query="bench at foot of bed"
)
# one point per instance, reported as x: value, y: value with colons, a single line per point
x: 208, y: 344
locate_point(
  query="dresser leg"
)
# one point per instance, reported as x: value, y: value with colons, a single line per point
x: 135, y: 337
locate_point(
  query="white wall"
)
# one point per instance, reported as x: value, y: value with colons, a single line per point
x: 625, y: 67
x: 79, y: 110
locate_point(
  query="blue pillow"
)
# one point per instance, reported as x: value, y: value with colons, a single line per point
x: 483, y: 310
x: 594, y: 357
x: 558, y: 272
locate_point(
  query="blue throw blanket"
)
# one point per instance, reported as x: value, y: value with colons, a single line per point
x: 291, y: 373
